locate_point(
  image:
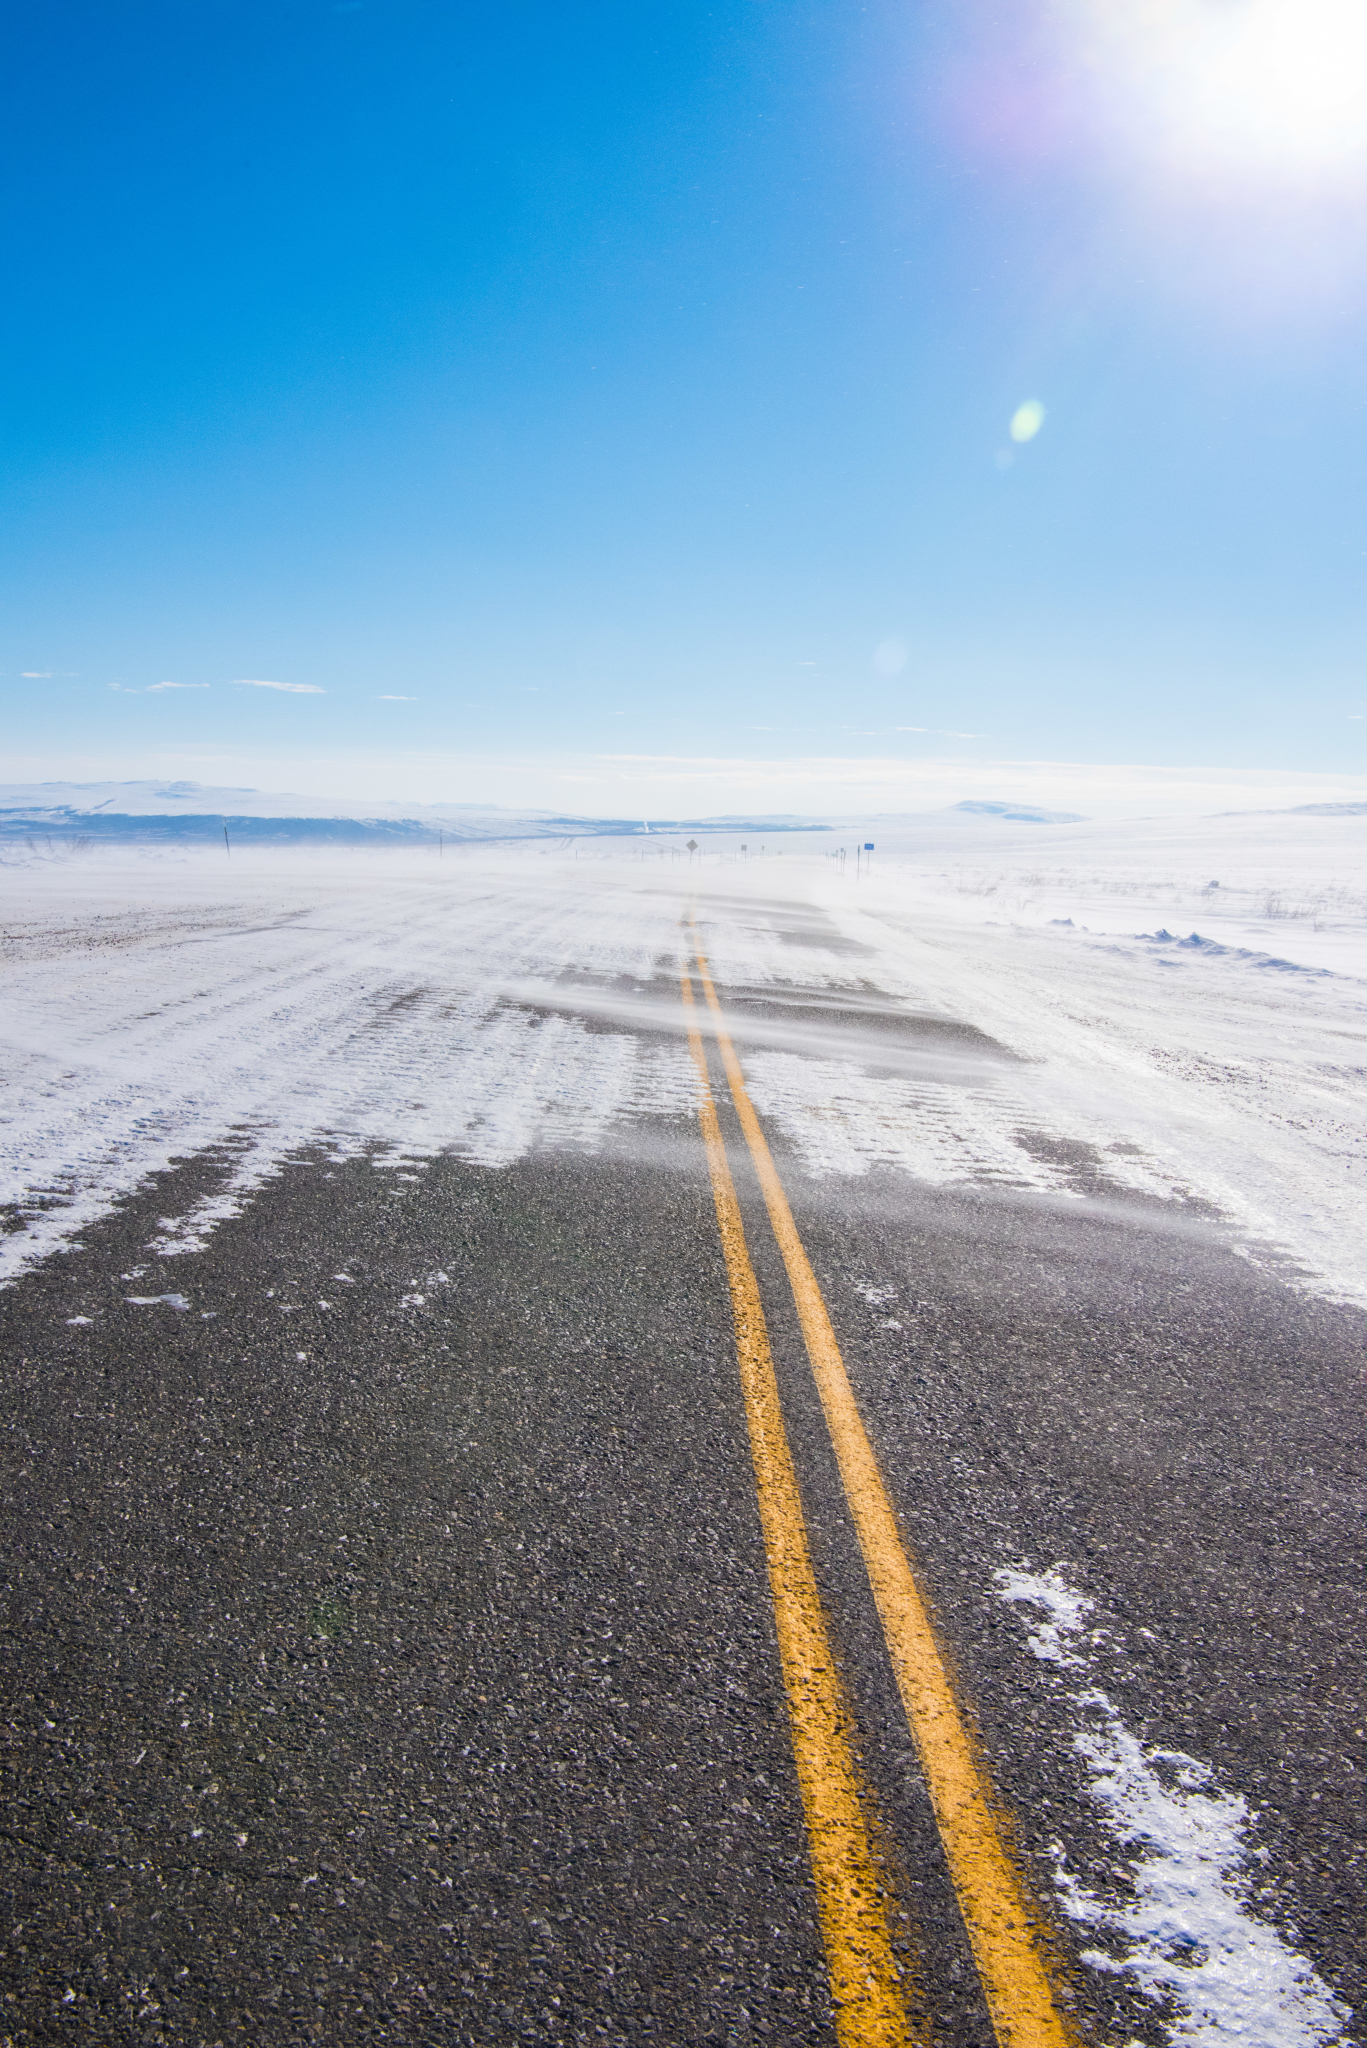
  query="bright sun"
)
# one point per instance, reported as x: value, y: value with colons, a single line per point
x: 1271, y: 82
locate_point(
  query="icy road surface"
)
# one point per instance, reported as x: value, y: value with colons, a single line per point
x: 1075, y: 1016
x: 387, y: 1645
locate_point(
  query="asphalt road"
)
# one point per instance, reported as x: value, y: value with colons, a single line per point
x: 388, y: 1647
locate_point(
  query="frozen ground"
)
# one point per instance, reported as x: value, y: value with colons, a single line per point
x: 1189, y: 1042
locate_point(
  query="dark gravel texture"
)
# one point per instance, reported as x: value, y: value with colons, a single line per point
x: 396, y: 1671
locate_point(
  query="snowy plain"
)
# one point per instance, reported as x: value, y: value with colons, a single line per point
x: 1184, y: 1001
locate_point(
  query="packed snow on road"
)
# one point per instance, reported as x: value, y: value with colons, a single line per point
x: 1174, y: 1009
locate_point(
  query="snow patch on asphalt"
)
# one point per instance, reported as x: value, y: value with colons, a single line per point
x: 1065, y: 1611
x: 1188, y: 1936
x: 844, y: 1119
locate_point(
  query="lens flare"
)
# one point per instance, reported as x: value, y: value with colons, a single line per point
x: 1027, y: 420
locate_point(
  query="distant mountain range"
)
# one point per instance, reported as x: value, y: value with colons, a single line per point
x: 1021, y: 814
x: 189, y: 811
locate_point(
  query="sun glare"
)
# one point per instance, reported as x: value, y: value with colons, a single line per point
x: 1261, y: 82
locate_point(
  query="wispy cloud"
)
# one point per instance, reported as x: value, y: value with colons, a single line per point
x: 390, y: 697
x: 35, y: 675
x: 294, y: 689
x: 151, y: 689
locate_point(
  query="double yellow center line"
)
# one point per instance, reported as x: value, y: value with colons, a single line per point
x: 865, y: 1979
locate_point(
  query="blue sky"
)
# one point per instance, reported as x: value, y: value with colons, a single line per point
x: 524, y: 383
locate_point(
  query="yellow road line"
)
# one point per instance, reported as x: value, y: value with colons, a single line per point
x: 991, y: 1897
x: 869, y: 2009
